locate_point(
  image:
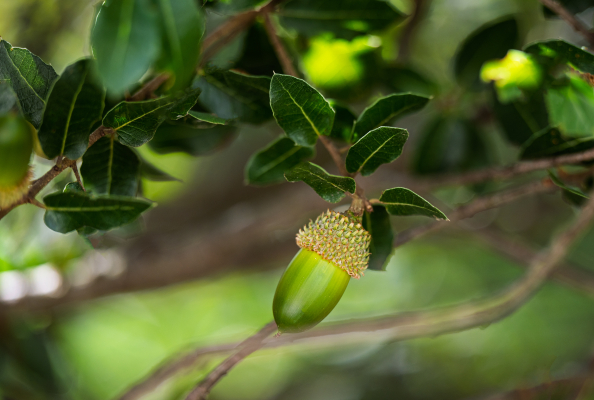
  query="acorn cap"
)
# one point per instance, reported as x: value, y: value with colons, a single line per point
x: 339, y: 239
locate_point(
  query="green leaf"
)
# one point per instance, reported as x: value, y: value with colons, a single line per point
x: 331, y: 188
x: 489, y: 42
x: 571, y: 107
x: 125, y: 41
x: 562, y: 52
x: 386, y: 109
x: 380, y: 146
x: 182, y: 102
x: 402, y: 201
x: 187, y: 138
x: 73, y: 187
x: 232, y: 95
x: 571, y: 189
x: 29, y: 77
x: 345, y: 18
x: 550, y: 142
x: 344, y: 120
x: 300, y: 110
x: 7, y: 98
x: 69, y: 211
x: 404, y: 79
x: 182, y: 27
x: 110, y: 168
x: 152, y: 173
x: 75, y: 103
x: 205, y: 117
x: 377, y: 223
x: 269, y: 164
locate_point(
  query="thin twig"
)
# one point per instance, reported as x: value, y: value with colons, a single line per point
x: 335, y: 154
x: 427, y: 323
x: 575, y: 23
x: 246, y: 348
x: 36, y: 203
x: 409, y: 30
x: 77, y: 175
x: 279, y: 48
x: 149, y: 88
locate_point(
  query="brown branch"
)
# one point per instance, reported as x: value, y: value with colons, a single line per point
x: 409, y: 30
x: 77, y: 176
x: 335, y: 154
x: 501, y: 173
x: 575, y: 23
x: 149, y: 88
x: 279, y: 48
x: 246, y: 348
x: 417, y: 324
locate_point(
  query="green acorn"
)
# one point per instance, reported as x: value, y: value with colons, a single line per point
x: 334, y: 248
x: 16, y: 145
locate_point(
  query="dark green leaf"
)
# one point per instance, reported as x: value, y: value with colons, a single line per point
x: 29, y: 77
x: 331, y: 188
x: 182, y: 102
x: 269, y: 164
x: 69, y: 211
x: 571, y: 189
x: 377, y: 223
x: 300, y: 110
x: 182, y: 27
x: 402, y: 201
x: 344, y: 120
x: 562, y: 52
x: 380, y: 146
x: 489, y: 42
x: 232, y: 95
x: 344, y: 18
x: 7, y: 98
x: 258, y: 57
x: 187, y: 138
x: 571, y: 107
x: 404, y: 79
x: 73, y: 187
x: 205, y: 117
x: 152, y: 173
x: 450, y: 145
x: 75, y: 103
x: 234, y: 6
x: 550, y: 142
x: 110, y: 168
x: 125, y: 42
x: 386, y: 109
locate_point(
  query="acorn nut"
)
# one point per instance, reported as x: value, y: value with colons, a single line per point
x: 16, y: 146
x: 334, y: 248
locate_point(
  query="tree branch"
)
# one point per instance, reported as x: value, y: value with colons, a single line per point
x: 246, y: 348
x: 575, y: 23
x: 409, y: 30
x: 427, y: 323
x: 279, y: 48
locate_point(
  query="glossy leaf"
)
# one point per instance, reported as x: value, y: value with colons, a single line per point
x: 302, y: 112
x: 73, y: 187
x: 206, y: 117
x: 377, y: 223
x: 172, y: 137
x: 380, y: 146
x: 571, y: 107
x: 344, y: 120
x: 75, y: 103
x: 386, y: 109
x: 402, y: 201
x: 331, y: 188
x: 563, y: 52
x: 182, y: 102
x: 125, y: 42
x: 110, y: 168
x: 232, y: 95
x: 344, y: 18
x: 269, y: 164
x: 550, y: 142
x: 29, y: 77
x: 69, y: 211
x: 182, y: 27
x: 489, y: 42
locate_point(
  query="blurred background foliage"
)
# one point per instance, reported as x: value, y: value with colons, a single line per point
x: 96, y: 350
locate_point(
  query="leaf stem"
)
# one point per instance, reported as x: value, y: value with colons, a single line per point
x: 77, y: 175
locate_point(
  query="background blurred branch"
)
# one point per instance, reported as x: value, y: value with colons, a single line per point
x: 575, y: 23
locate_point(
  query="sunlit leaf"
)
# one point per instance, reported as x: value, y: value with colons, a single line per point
x: 563, y: 52
x: 69, y: 211
x: 269, y: 164
x: 377, y: 223
x: 125, y: 41
x: 402, y: 201
x: 75, y: 103
x: 302, y: 112
x: 29, y: 77
x: 380, y: 146
x: 571, y: 107
x: 331, y: 188
x: 110, y: 168
x: 386, y: 109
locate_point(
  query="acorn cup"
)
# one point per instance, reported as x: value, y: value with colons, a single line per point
x: 334, y: 248
x: 16, y: 146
